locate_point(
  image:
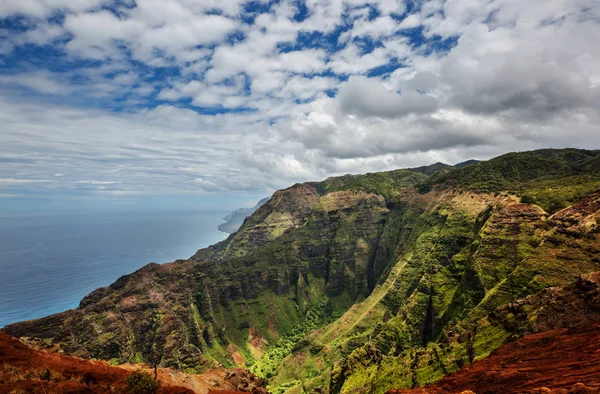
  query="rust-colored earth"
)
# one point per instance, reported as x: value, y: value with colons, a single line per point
x: 27, y: 370
x: 555, y: 361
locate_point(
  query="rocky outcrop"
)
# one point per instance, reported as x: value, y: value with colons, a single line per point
x: 286, y: 209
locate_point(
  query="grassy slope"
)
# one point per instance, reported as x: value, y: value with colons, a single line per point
x: 555, y: 178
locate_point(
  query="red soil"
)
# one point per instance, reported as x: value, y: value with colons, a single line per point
x: 556, y: 361
x: 21, y: 368
x: 225, y: 392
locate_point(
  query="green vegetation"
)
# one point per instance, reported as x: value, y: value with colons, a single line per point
x: 555, y: 178
x: 270, y: 361
x: 387, y: 184
x: 414, y: 278
x: 140, y: 382
x: 527, y: 199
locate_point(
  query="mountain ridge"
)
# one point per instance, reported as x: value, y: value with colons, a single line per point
x: 333, y: 285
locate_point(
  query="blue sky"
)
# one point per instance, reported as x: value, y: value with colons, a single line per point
x: 218, y: 103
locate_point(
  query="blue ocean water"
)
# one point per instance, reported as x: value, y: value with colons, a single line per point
x: 49, y: 262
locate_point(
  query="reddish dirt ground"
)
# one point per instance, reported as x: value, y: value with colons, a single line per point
x: 21, y: 368
x: 225, y: 392
x: 556, y: 361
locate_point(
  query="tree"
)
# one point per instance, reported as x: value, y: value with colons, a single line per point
x: 156, y: 357
x: 526, y: 199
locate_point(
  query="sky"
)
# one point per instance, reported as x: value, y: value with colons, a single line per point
x: 219, y: 103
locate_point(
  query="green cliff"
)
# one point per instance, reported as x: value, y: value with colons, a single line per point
x: 367, y: 282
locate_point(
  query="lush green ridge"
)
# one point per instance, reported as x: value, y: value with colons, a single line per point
x: 358, y: 282
x: 555, y: 178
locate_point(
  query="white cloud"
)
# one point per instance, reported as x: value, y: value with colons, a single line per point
x: 13, y: 181
x: 367, y: 97
x: 382, y: 26
x: 45, y: 8
x: 98, y: 34
x: 97, y: 182
x: 410, y: 22
x: 41, y: 81
x: 307, y: 102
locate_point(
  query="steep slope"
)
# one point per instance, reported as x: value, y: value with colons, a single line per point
x: 483, y: 255
x: 302, y: 251
x: 433, y: 169
x: 462, y: 254
x: 557, y: 361
x: 356, y: 282
x: 561, y: 350
x: 466, y: 163
x: 554, y: 178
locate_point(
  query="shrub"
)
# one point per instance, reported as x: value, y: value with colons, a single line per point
x: 556, y: 205
x: 527, y: 199
x: 534, y: 241
x: 140, y: 382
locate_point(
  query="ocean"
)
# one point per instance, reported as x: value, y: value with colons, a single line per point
x: 49, y: 262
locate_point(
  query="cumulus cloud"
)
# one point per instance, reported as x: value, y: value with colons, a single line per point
x: 547, y: 77
x: 100, y: 34
x: 367, y: 97
x: 41, y: 81
x: 45, y: 8
x: 211, y: 96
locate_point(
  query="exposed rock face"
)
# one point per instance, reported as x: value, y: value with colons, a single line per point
x: 361, y: 283
x: 574, y: 305
x: 197, y: 313
x: 287, y: 209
